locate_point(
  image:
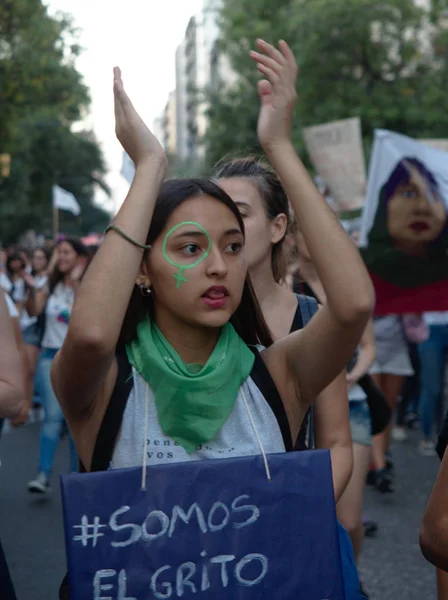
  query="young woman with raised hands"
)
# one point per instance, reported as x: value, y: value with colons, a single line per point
x: 170, y: 283
x: 54, y: 302
x: 257, y: 191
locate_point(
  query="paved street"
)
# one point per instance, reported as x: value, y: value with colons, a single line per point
x: 31, y: 529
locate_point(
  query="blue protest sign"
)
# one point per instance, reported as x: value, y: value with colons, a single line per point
x: 212, y: 529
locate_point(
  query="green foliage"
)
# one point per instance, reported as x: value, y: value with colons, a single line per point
x: 41, y: 96
x: 383, y: 61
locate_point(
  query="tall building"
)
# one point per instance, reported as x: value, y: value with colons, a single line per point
x: 157, y: 129
x: 194, y: 73
x: 181, y: 103
x: 191, y: 59
x: 169, y: 125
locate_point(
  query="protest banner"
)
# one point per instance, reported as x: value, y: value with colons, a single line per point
x: 404, y: 229
x: 337, y: 154
x: 215, y: 529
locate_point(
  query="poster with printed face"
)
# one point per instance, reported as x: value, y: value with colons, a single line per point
x: 211, y: 529
x: 337, y: 154
x: 404, y: 229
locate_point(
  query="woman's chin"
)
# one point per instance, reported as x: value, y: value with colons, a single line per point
x: 411, y: 247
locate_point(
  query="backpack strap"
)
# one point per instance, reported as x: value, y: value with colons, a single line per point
x: 110, y: 426
x: 306, y: 309
x: 264, y: 382
x: 297, y: 322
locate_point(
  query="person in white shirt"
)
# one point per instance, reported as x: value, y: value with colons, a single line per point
x: 55, y: 303
x: 31, y: 326
x: 15, y: 268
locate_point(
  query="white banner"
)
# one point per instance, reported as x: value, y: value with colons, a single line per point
x: 64, y: 200
x: 127, y: 168
x: 337, y: 154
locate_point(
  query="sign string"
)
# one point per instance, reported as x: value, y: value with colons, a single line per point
x: 260, y: 445
x: 265, y: 460
x: 144, y: 462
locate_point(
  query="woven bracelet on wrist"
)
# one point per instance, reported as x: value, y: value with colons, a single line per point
x: 127, y: 238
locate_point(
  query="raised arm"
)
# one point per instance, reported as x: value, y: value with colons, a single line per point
x: 87, y: 356
x: 12, y: 380
x: 318, y: 353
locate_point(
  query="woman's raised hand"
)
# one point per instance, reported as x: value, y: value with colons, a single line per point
x: 131, y: 131
x: 277, y: 92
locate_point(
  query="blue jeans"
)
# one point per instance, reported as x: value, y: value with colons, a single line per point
x: 51, y: 428
x: 433, y: 354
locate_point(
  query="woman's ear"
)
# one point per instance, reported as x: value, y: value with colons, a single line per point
x: 279, y: 226
x: 143, y: 276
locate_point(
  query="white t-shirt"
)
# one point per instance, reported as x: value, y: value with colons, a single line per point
x: 13, y: 312
x: 57, y: 315
x: 18, y: 290
x: 5, y: 282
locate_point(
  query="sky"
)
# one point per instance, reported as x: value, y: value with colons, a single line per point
x: 141, y: 37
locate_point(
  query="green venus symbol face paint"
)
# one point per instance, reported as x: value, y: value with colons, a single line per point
x: 179, y: 276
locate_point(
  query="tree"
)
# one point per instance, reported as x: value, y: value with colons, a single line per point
x: 383, y: 61
x: 41, y: 96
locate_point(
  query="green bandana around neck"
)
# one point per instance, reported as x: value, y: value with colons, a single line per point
x: 193, y: 402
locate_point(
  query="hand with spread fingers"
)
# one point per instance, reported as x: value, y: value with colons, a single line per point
x: 131, y: 131
x: 277, y: 92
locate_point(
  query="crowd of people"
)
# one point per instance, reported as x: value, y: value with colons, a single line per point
x: 246, y: 249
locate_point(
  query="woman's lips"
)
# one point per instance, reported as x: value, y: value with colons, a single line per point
x: 419, y: 226
x: 215, y: 297
x: 215, y: 302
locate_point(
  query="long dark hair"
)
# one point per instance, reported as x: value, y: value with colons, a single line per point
x: 248, y: 319
x: 56, y: 276
x: 46, y: 253
x: 271, y: 191
x: 11, y: 258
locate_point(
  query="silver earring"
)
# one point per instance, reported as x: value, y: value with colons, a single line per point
x: 145, y: 290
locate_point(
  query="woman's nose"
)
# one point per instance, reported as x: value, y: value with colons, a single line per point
x: 216, y: 265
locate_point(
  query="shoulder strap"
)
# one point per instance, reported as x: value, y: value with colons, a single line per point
x: 306, y: 309
x: 297, y: 322
x: 263, y: 380
x: 110, y: 426
x: 308, y: 306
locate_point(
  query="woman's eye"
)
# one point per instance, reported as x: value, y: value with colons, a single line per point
x: 234, y: 247
x: 191, y: 249
x: 408, y: 194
